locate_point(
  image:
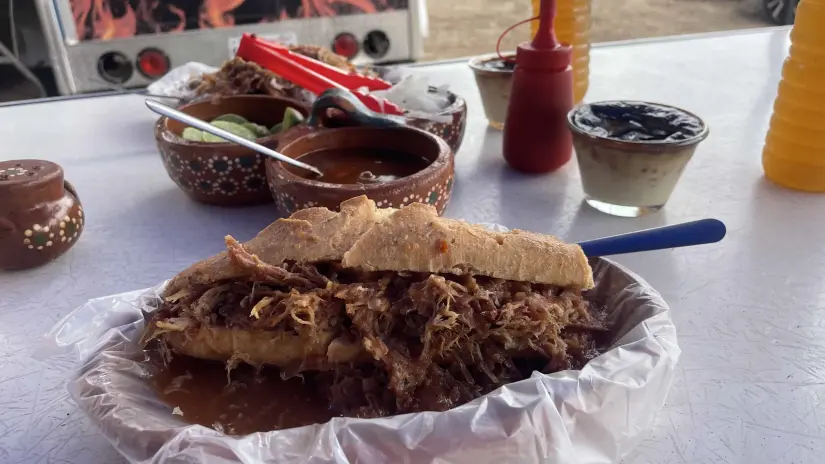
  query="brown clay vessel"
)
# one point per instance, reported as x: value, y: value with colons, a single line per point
x: 222, y: 174
x: 40, y: 213
x: 378, y: 134
x: 451, y: 131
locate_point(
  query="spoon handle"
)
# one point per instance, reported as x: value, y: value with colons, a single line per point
x: 680, y: 235
x: 180, y: 116
x: 353, y: 108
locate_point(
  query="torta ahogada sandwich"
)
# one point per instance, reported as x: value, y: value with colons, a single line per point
x: 399, y: 310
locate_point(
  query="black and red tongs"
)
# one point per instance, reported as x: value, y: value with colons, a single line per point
x: 313, y: 75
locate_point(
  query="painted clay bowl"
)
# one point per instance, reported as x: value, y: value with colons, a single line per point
x: 41, y: 216
x: 370, y: 132
x: 453, y: 131
x: 222, y: 174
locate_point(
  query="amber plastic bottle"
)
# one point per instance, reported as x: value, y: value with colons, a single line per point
x: 572, y: 26
x: 794, y: 154
x: 536, y: 136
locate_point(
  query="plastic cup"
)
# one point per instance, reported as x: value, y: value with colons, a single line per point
x: 494, y: 86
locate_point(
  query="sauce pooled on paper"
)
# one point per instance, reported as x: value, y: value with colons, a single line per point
x: 364, y: 166
x: 200, y: 392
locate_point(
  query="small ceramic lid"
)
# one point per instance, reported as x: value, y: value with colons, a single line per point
x: 29, y: 182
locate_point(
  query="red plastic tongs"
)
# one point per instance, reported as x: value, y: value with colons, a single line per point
x: 314, y: 75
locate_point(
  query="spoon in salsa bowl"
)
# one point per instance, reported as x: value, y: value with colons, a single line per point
x: 184, y: 118
x: 361, y: 153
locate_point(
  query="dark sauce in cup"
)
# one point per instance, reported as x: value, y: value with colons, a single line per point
x: 497, y: 64
x: 637, y: 122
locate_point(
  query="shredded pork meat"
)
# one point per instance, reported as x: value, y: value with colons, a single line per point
x: 434, y: 341
x: 239, y: 77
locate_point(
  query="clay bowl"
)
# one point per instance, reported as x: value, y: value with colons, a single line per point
x: 292, y: 192
x: 222, y: 174
x: 453, y: 131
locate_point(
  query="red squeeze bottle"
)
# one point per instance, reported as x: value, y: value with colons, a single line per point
x: 536, y: 137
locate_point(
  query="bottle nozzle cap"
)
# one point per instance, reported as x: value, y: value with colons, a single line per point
x: 545, y: 51
x: 545, y: 38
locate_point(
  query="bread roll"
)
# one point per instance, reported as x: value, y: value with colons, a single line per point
x: 256, y: 347
x: 414, y: 238
x: 362, y: 236
x: 310, y: 235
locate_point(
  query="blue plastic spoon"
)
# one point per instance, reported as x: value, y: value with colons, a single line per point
x: 680, y: 235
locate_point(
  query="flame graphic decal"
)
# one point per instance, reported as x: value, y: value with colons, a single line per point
x: 111, y: 19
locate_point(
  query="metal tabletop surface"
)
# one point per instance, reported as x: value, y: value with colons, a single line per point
x: 751, y: 383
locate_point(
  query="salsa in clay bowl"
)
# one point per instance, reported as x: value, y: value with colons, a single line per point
x: 361, y: 166
x: 393, y: 166
x: 374, y: 155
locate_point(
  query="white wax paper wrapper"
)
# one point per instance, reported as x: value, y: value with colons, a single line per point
x: 591, y: 416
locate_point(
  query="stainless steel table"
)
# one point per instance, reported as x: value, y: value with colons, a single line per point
x: 750, y: 311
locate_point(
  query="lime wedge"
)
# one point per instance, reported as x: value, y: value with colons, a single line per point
x: 236, y: 129
x: 257, y: 129
x: 192, y: 134
x: 292, y: 117
x: 237, y: 119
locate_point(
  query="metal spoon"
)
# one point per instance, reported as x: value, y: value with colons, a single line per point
x: 184, y: 118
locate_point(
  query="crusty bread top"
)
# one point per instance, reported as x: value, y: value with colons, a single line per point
x: 313, y: 234
x: 414, y: 238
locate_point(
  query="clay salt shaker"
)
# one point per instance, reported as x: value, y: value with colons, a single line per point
x: 40, y: 214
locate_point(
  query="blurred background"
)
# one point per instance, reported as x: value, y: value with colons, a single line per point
x: 54, y: 47
x: 471, y: 27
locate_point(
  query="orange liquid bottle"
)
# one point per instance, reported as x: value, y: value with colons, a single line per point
x: 572, y: 27
x: 794, y: 153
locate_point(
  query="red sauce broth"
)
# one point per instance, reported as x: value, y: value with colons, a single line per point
x: 253, y: 401
x: 360, y: 165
